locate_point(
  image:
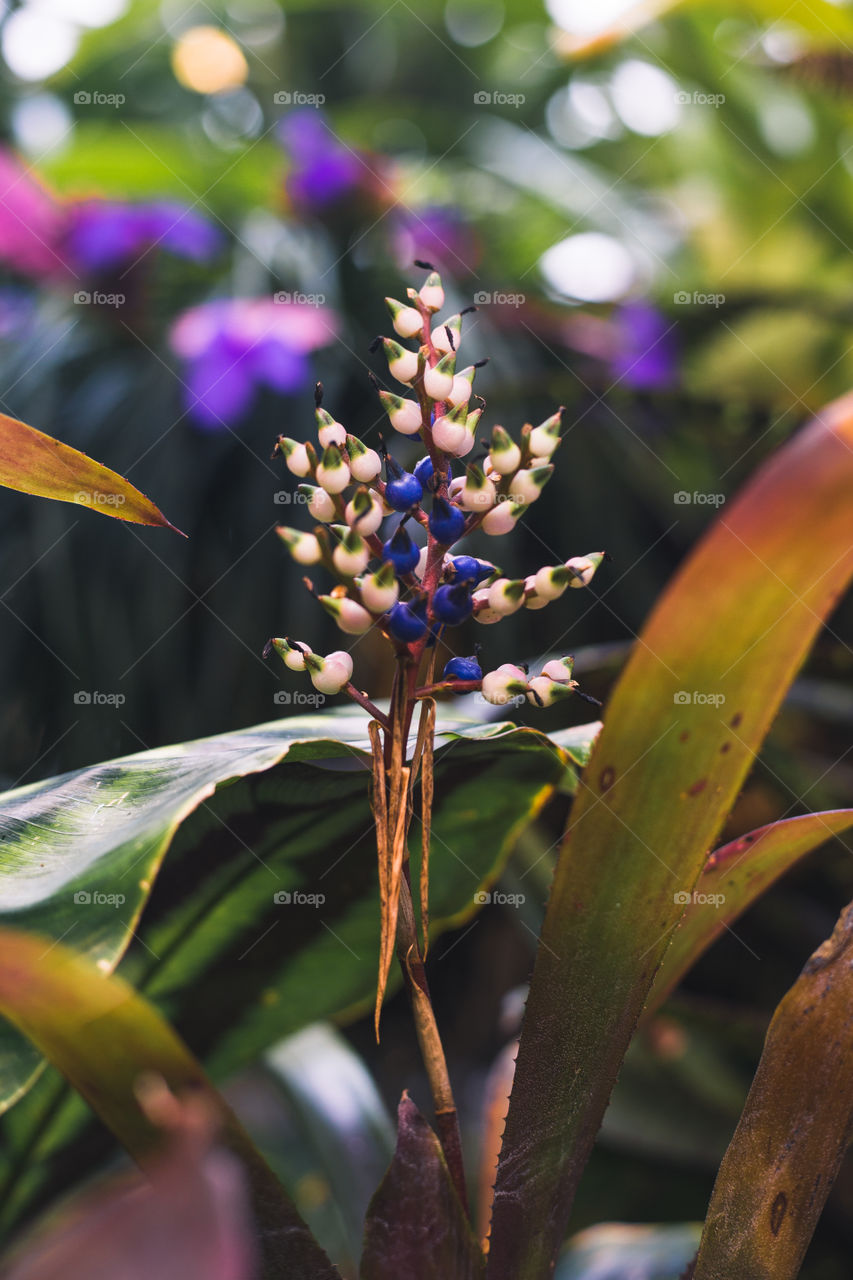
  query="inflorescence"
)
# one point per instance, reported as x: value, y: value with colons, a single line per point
x: 389, y: 543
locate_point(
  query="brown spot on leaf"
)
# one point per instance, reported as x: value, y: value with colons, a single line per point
x: 699, y: 785
x: 777, y: 1212
x: 607, y: 777
x: 725, y: 747
x: 684, y: 735
x: 736, y: 719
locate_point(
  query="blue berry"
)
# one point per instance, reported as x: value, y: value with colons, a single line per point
x: 401, y: 551
x: 446, y: 522
x: 470, y: 569
x: 425, y: 472
x: 463, y: 669
x: 452, y: 604
x: 403, y: 489
x: 407, y: 621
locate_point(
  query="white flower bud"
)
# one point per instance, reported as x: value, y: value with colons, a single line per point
x: 293, y: 654
x: 321, y: 505
x: 439, y: 337
x: 333, y: 474
x: 438, y: 380
x: 559, y: 669
x: 351, y: 555
x: 431, y: 293
x: 583, y: 567
x: 507, y: 682
x: 551, y: 581
x: 478, y: 493
x: 501, y: 519
x: 328, y: 430
x: 380, y: 590
x: 407, y: 321
x: 506, y: 595
x: 402, y: 364
x: 297, y: 459
x: 482, y: 613
x: 467, y: 444
x: 449, y: 433
x: 303, y: 547
x: 544, y: 692
x: 404, y: 415
x: 544, y: 439
x: 330, y: 674
x: 526, y: 486
x: 505, y: 455
x: 531, y: 599
x: 364, y: 512
x: 350, y: 616
x: 364, y: 464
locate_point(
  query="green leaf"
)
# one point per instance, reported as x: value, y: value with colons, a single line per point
x: 416, y: 1226
x: 794, y: 1130
x: 104, y: 1038
x: 281, y: 808
x: 681, y: 731
x: 35, y: 463
x: 624, y: 1251
x: 732, y: 879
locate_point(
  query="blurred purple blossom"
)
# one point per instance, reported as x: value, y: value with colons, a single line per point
x: 644, y: 353
x: 437, y: 233
x: 231, y: 347
x: 108, y: 233
x: 322, y: 168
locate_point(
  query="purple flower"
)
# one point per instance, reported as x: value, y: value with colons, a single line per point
x: 645, y: 353
x: 108, y: 233
x: 437, y: 233
x: 233, y: 346
x: 322, y: 168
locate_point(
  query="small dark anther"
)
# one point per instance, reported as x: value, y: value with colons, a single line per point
x: 424, y: 266
x: 318, y: 394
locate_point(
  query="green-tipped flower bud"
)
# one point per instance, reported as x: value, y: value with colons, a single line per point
x: 504, y: 454
x: 350, y: 616
x: 506, y: 595
x: 402, y: 364
x: 477, y: 493
x: 351, y: 555
x: 328, y: 430
x: 405, y: 415
x: 333, y: 474
x: 502, y: 519
x: 439, y: 336
x: 483, y: 614
x: 551, y: 581
x: 364, y: 463
x: 329, y: 674
x: 544, y: 692
x: 507, y: 682
x: 320, y: 503
x: 294, y: 655
x: 304, y: 547
x: 438, y: 381
x: 380, y: 590
x: 450, y: 429
x: 526, y: 486
x: 559, y: 669
x: 583, y: 568
x: 544, y: 439
x: 407, y: 321
x: 463, y: 385
x: 431, y: 292
x: 299, y: 458
x: 364, y: 512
